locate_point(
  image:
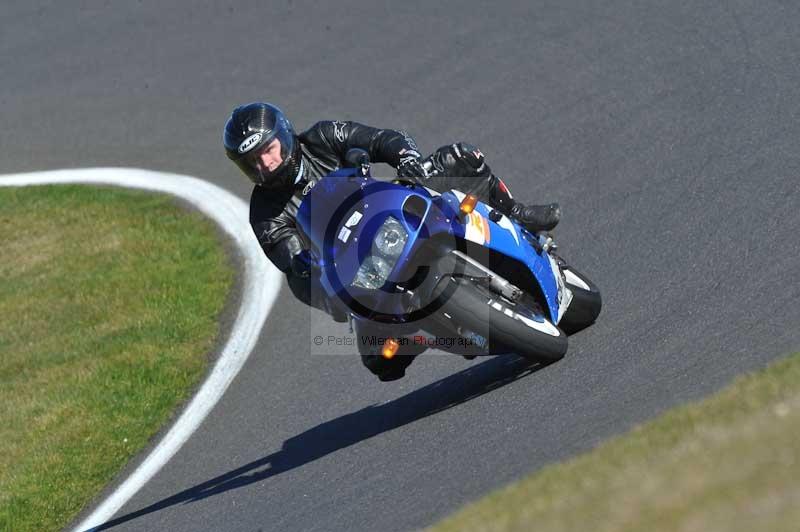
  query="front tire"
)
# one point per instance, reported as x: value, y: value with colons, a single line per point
x: 586, y: 302
x: 508, y: 326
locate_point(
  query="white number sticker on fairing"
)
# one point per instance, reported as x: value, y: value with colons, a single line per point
x: 354, y: 219
x: 477, y: 228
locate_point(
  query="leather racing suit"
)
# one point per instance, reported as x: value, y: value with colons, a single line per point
x: 323, y: 147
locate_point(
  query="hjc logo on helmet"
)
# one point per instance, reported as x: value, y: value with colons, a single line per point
x: 248, y: 143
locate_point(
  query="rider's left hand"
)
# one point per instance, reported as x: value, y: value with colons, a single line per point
x: 411, y: 166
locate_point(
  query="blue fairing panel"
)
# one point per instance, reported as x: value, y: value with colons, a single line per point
x: 341, y: 215
x: 507, y: 238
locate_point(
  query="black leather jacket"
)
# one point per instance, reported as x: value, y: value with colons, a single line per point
x: 323, y: 148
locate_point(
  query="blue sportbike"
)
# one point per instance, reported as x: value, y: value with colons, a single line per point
x: 414, y: 268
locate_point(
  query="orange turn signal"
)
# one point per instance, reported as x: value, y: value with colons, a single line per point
x: 390, y: 348
x: 468, y: 203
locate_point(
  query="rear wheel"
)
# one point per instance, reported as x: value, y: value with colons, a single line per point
x: 586, y: 302
x: 518, y: 327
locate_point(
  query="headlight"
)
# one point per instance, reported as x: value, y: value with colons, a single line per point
x: 373, y: 273
x: 387, y: 246
x: 391, y: 238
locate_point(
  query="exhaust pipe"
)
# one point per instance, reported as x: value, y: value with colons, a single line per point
x: 496, y: 283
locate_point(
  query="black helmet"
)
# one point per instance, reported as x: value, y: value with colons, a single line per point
x: 249, y: 131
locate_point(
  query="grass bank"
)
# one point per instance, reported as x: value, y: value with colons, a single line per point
x: 109, y: 301
x: 728, y: 463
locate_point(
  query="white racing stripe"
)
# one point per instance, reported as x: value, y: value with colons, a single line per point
x: 261, y: 283
x: 542, y: 326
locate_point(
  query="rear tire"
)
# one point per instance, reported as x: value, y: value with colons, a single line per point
x: 586, y: 302
x: 508, y: 326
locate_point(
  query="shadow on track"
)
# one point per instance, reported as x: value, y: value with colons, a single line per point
x: 352, y: 428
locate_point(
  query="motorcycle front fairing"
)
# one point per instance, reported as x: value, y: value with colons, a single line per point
x: 342, y: 214
x: 340, y: 217
x: 506, y: 237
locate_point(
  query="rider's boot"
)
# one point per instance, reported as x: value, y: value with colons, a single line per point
x: 536, y: 217
x: 463, y: 159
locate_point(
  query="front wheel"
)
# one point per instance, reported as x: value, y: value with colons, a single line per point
x: 508, y: 326
x: 586, y: 302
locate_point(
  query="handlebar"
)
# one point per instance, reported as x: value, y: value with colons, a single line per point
x: 427, y: 164
x: 356, y: 157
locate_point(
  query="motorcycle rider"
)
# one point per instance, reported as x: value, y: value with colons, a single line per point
x: 284, y: 165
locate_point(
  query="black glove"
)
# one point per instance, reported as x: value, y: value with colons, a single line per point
x: 411, y: 166
x: 537, y: 217
x: 303, y: 263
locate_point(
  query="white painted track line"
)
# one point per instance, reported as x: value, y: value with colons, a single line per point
x: 261, y: 284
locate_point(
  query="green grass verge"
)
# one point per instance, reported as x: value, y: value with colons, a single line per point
x: 109, y: 301
x: 728, y: 463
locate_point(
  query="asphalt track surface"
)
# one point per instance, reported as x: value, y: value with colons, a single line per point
x: 668, y: 132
